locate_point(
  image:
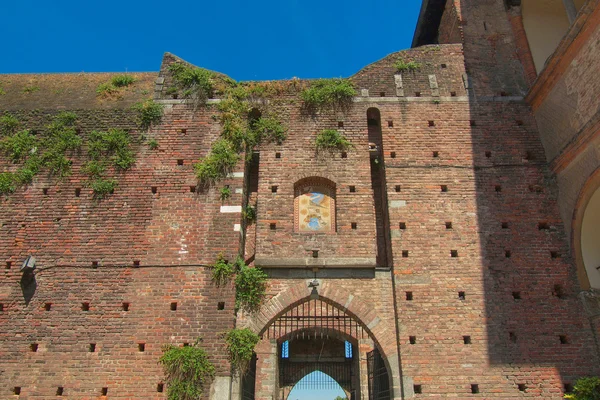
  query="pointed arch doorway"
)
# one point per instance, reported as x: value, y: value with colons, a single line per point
x: 316, y: 334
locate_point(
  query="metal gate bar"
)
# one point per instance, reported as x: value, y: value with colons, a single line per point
x: 249, y: 380
x: 317, y: 314
x: 379, y: 383
x: 334, y: 374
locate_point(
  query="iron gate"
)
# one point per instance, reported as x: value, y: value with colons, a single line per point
x: 379, y: 382
x: 249, y: 380
x: 295, y: 373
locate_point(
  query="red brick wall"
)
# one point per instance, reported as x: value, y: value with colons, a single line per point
x: 64, y: 333
x: 523, y: 49
x: 174, y: 232
x: 298, y: 156
x: 133, y: 224
x: 491, y: 160
x: 490, y: 49
x: 437, y: 317
x: 450, y: 30
x: 379, y: 77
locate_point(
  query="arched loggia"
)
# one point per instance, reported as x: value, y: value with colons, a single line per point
x: 590, y: 239
x: 586, y: 234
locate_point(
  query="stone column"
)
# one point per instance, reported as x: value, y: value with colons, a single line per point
x: 219, y: 390
x: 364, y: 346
x: 267, y: 373
x: 236, y: 387
x: 571, y: 10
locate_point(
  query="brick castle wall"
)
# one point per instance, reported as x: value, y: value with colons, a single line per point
x: 478, y: 248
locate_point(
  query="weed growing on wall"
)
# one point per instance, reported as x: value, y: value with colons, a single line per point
x: 102, y: 187
x: 107, y: 148
x: 404, y: 66
x: 18, y: 145
x: 249, y: 214
x: 266, y: 129
x: 331, y: 140
x: 148, y: 113
x: 193, y: 82
x: 122, y: 81
x: 585, y: 389
x: 152, y: 144
x: 114, y: 86
x: 112, y: 146
x: 30, y: 89
x: 225, y: 193
x: 222, y: 271
x: 250, y: 288
x: 240, y: 347
x: 61, y: 140
x: 52, y: 152
x: 7, y: 183
x: 221, y: 160
x: 250, y: 282
x: 187, y: 370
x: 106, y: 89
x: 242, y: 131
x: 32, y: 153
x: 8, y: 124
x: 328, y: 94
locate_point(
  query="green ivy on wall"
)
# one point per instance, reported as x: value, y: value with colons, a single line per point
x: 240, y: 347
x: 250, y: 282
x: 326, y: 94
x: 187, y: 370
x: 52, y: 152
x: 585, y: 389
x: 331, y: 140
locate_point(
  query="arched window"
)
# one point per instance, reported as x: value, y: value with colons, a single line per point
x: 546, y: 23
x: 314, y: 206
x: 586, y: 235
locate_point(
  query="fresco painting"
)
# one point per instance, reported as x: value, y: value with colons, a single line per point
x: 314, y: 210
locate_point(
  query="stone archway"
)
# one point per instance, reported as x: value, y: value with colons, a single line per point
x: 380, y: 333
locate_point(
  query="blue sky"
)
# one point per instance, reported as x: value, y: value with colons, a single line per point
x: 248, y: 40
x: 330, y: 392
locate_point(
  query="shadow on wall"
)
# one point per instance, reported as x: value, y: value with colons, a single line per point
x: 535, y: 320
x: 28, y: 286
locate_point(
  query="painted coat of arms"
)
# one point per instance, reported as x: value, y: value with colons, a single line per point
x: 315, y: 209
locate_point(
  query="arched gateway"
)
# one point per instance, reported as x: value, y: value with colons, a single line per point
x: 331, y: 331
